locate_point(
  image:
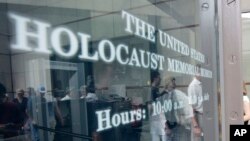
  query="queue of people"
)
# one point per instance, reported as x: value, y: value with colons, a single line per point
x: 11, y: 121
x: 178, y: 124
x: 183, y: 124
x: 19, y: 116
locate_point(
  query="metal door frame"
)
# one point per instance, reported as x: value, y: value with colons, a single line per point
x: 229, y: 35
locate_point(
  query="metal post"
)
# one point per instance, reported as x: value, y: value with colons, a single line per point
x: 230, y: 65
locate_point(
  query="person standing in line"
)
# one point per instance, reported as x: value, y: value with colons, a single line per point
x: 69, y: 94
x: 178, y: 120
x: 58, y: 117
x: 83, y: 91
x: 41, y: 107
x: 22, y: 102
x: 31, y: 109
x: 10, y: 121
x: 195, y: 97
x: 246, y: 105
x: 157, y: 122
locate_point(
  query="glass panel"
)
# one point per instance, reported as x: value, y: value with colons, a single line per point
x: 107, y: 70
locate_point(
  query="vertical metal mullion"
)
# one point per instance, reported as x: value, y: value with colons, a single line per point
x: 230, y: 65
x: 207, y: 11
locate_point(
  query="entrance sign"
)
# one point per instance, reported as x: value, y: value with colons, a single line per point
x: 107, y: 121
x: 140, y: 28
x: 49, y: 41
x: 132, y: 57
x: 22, y: 35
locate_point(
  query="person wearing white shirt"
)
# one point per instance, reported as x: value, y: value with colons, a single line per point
x: 196, y: 101
x: 68, y: 95
x: 246, y: 105
x: 181, y: 118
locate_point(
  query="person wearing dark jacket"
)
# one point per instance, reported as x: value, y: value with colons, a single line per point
x: 22, y: 103
x: 10, y: 120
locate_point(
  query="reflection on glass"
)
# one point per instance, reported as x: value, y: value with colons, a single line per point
x: 115, y: 70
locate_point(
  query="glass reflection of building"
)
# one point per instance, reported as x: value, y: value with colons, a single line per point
x: 130, y: 85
